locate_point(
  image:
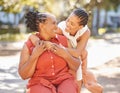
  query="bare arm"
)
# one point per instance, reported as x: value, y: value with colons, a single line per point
x: 76, y: 52
x: 28, y: 62
x: 34, y: 39
x: 73, y: 62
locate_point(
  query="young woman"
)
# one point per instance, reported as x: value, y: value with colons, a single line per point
x: 76, y: 30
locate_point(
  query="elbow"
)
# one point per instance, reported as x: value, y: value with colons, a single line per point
x: 23, y: 75
x: 24, y: 78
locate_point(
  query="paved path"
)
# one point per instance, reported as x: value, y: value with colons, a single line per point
x: 100, y: 51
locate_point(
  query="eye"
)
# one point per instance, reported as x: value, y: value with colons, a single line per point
x: 72, y: 24
x: 54, y: 23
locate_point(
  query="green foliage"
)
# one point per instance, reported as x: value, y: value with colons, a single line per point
x: 110, y: 4
x: 16, y: 6
x: 60, y: 8
x: 12, y: 37
x: 9, y: 30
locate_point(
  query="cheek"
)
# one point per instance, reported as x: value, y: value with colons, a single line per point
x: 73, y: 30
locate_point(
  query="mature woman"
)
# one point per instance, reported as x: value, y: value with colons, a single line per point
x: 47, y: 66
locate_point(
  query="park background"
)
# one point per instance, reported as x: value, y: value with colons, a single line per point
x: 103, y: 45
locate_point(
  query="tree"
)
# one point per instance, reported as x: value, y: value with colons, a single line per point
x: 109, y: 5
x: 100, y: 4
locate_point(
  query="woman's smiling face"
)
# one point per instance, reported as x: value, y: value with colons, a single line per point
x: 72, y: 24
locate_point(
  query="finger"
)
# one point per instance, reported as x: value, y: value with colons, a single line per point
x: 42, y: 43
x: 39, y: 42
x: 54, y: 49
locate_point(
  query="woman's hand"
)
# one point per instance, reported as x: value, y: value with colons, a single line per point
x: 28, y: 61
x: 48, y: 45
x: 39, y: 48
x: 59, y: 50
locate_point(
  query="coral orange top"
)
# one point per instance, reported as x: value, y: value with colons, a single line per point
x: 50, y: 69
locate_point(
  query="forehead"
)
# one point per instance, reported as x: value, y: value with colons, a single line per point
x: 51, y: 18
x: 73, y: 18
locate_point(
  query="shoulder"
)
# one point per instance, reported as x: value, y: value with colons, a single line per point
x: 87, y: 33
x: 62, y: 25
x: 85, y: 36
x: 33, y: 35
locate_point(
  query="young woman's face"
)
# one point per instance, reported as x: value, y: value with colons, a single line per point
x: 50, y: 26
x: 72, y: 24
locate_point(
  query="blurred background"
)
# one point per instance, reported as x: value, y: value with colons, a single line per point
x: 103, y: 45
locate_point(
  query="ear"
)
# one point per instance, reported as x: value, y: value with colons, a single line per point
x: 41, y: 26
x: 81, y: 26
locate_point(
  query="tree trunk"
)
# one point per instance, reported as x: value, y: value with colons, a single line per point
x: 105, y: 21
x: 98, y: 21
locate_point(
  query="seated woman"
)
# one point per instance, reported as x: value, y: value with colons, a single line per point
x: 47, y: 67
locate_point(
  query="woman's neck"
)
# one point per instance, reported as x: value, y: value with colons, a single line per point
x: 45, y: 36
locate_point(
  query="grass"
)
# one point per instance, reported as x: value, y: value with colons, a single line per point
x: 13, y: 37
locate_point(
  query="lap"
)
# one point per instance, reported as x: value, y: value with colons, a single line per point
x: 38, y: 89
x: 68, y: 86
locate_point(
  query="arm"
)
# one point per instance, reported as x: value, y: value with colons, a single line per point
x: 81, y: 45
x: 34, y: 38
x: 73, y: 62
x: 28, y: 62
x: 61, y: 51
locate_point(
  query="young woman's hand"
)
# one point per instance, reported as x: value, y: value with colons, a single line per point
x: 48, y: 45
x: 59, y: 50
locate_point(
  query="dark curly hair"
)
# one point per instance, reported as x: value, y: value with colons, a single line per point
x: 33, y: 18
x: 82, y: 14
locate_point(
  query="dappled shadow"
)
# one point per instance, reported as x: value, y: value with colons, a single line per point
x: 110, y: 84
x: 8, y: 52
x: 10, y: 82
x: 108, y: 75
x: 113, y: 63
x: 113, y: 38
